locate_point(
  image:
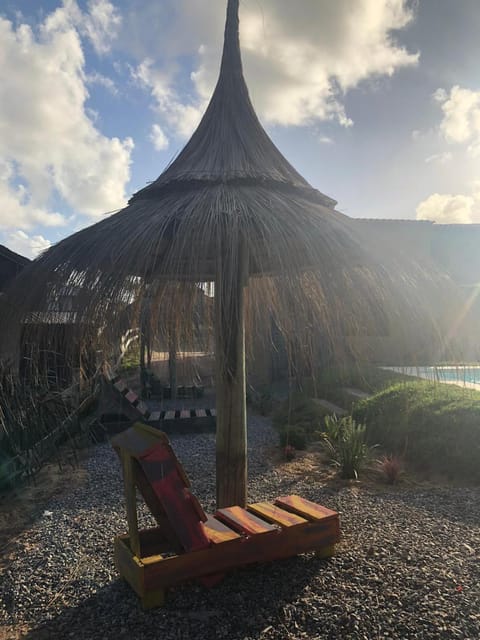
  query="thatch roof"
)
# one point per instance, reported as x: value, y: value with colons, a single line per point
x: 229, y: 188
x: 12, y: 256
x: 230, y: 145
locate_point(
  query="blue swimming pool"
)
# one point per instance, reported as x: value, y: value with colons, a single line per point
x: 461, y: 374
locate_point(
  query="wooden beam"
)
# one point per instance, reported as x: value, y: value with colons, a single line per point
x: 231, y: 438
x: 131, y: 501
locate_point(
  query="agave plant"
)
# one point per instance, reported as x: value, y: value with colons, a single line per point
x: 344, y: 444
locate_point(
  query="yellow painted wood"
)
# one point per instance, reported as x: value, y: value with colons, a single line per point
x: 128, y: 565
x: 131, y: 502
x: 146, y: 429
x: 151, y: 560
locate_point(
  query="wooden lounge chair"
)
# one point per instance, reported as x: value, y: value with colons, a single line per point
x: 134, y: 409
x: 189, y: 544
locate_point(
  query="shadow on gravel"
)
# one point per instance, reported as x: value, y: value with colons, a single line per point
x: 248, y: 602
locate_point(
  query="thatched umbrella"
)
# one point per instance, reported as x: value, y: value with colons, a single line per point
x: 229, y: 208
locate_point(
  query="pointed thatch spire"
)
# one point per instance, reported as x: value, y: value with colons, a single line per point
x: 230, y: 144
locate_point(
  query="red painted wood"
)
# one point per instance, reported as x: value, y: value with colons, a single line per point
x: 183, y: 511
x: 243, y: 521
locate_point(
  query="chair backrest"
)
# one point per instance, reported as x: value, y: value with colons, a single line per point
x: 163, y: 483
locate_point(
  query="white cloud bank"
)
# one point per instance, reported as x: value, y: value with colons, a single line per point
x: 460, y: 125
x: 300, y: 58
x: 25, y: 245
x: 461, y: 117
x: 49, y: 144
x: 451, y: 209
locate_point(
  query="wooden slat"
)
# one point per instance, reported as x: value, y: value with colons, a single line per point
x: 138, y: 439
x: 142, y: 407
x: 305, y: 508
x: 152, y: 559
x: 151, y: 432
x: 275, y: 514
x: 240, y: 520
x: 217, y: 531
x: 132, y: 397
x: 183, y: 511
x: 128, y: 565
x: 165, y: 531
x: 131, y: 502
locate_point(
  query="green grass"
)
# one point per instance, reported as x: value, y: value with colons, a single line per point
x: 436, y: 427
x: 131, y: 359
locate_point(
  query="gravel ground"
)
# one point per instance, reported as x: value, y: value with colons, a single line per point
x: 408, y: 566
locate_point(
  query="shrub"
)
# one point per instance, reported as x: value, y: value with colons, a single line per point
x: 332, y: 427
x: 293, y: 436
x: 390, y: 467
x: 345, y: 445
x: 435, y: 427
x: 300, y: 409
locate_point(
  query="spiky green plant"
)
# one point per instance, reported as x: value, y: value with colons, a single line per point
x: 344, y: 444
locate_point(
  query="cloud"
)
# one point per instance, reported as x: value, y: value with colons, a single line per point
x: 299, y: 62
x: 25, y: 245
x: 439, y: 158
x: 461, y: 117
x: 50, y: 146
x: 16, y: 207
x: 179, y: 116
x: 103, y: 81
x: 325, y: 139
x: 451, y: 209
x: 159, y: 139
x: 100, y: 24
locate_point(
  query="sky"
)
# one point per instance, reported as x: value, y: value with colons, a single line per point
x: 375, y: 102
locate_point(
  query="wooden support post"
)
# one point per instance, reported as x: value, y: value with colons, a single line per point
x: 145, y: 337
x: 131, y: 502
x: 172, y: 364
x: 142, y: 358
x: 231, y: 438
